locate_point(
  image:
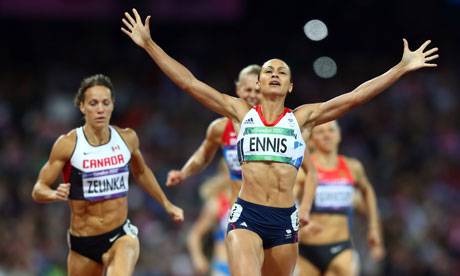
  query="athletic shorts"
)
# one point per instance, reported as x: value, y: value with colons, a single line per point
x: 94, y: 247
x: 275, y: 226
x: 322, y: 255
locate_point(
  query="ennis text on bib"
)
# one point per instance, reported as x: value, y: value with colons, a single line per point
x: 280, y: 141
x: 98, y: 172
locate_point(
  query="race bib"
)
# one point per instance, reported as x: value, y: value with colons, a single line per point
x: 231, y: 158
x: 105, y: 184
x: 295, y: 220
x: 235, y: 213
x: 268, y: 144
x: 333, y: 196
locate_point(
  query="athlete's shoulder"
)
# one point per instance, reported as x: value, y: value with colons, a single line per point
x: 67, y: 139
x: 128, y: 134
x: 124, y: 131
x: 305, y: 113
x: 65, y: 145
x: 217, y: 127
x: 219, y: 122
x: 353, y: 163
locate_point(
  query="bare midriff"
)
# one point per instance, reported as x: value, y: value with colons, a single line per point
x: 89, y: 218
x: 236, y: 187
x: 334, y: 228
x: 268, y: 183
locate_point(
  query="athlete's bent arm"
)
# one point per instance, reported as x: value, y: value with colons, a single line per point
x: 60, y: 154
x: 202, y: 156
x: 225, y: 105
x: 374, y: 236
x: 205, y: 223
x: 145, y: 177
x: 311, y: 182
x: 324, y: 112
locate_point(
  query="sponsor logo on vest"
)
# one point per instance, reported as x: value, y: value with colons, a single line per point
x: 103, y: 162
x: 89, y: 152
x: 265, y: 144
x: 249, y: 121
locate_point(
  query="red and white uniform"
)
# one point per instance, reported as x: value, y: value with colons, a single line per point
x: 229, y: 148
x: 98, y: 172
x: 334, y: 193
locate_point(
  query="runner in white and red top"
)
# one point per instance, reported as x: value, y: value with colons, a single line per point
x: 96, y: 160
x: 269, y: 183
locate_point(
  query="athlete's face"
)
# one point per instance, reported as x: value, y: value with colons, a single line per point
x: 97, y: 106
x: 275, y: 78
x: 246, y: 90
x: 326, y: 137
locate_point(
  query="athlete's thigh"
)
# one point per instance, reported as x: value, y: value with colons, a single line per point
x: 121, y: 258
x: 79, y: 265
x: 245, y: 252
x: 306, y: 268
x: 341, y: 265
x: 280, y: 260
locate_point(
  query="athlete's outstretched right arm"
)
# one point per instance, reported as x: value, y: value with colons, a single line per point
x: 202, y: 156
x: 225, y: 105
x: 60, y: 154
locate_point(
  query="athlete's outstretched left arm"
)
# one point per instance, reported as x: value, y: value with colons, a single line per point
x: 374, y: 236
x: 311, y: 182
x: 145, y: 177
x: 316, y: 114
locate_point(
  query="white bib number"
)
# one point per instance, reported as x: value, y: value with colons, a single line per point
x: 333, y: 196
x: 231, y: 157
x: 105, y: 184
x: 235, y: 212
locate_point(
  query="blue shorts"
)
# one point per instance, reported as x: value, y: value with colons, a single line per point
x: 275, y: 226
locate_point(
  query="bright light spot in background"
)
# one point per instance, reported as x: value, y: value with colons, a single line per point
x: 315, y: 30
x: 325, y: 67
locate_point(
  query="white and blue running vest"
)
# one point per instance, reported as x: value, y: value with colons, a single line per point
x: 280, y: 141
x: 98, y: 172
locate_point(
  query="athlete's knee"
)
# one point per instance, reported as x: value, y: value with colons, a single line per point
x: 129, y: 248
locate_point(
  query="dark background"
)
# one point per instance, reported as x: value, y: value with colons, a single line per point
x: 408, y: 138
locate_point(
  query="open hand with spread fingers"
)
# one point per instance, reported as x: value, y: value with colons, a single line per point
x: 138, y: 32
x: 413, y: 60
